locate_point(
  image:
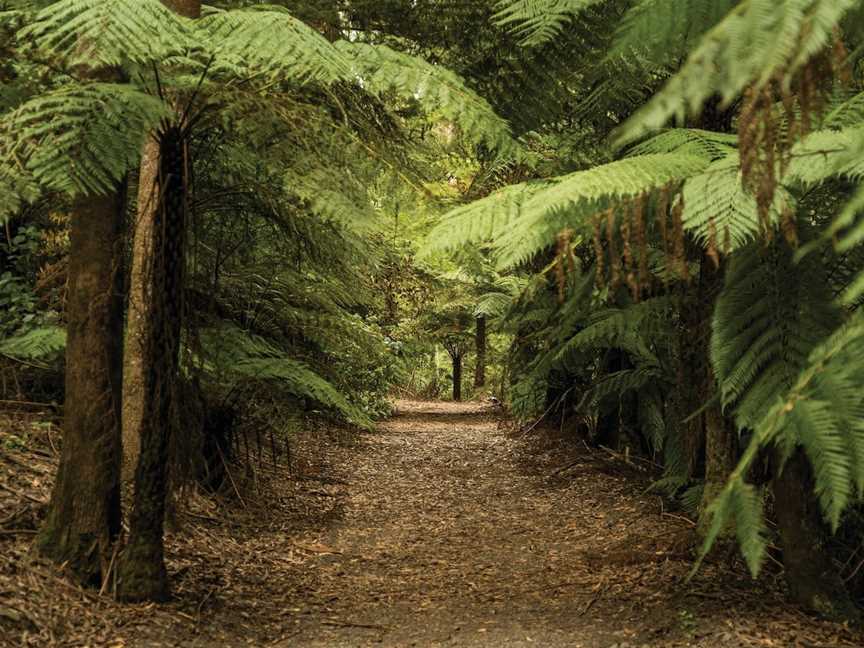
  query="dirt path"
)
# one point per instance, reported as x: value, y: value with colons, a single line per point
x: 442, y: 528
x: 453, y: 531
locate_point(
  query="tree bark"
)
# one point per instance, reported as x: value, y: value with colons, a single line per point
x: 137, y: 323
x: 457, y: 377
x: 480, y: 343
x: 84, y: 514
x: 157, y: 289
x: 721, y: 455
x: 811, y: 576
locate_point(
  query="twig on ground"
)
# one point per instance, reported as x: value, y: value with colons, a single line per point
x: 340, y: 624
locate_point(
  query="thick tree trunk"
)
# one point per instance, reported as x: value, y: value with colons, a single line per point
x: 813, y: 579
x: 480, y: 343
x: 84, y: 513
x: 457, y: 377
x: 142, y: 567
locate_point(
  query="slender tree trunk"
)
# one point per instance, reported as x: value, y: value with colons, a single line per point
x: 142, y: 567
x: 480, y: 343
x: 721, y: 455
x: 813, y: 579
x: 137, y: 322
x: 84, y: 513
x: 457, y: 377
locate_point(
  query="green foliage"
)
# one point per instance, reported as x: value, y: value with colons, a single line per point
x: 232, y: 352
x: 757, y: 41
x: 539, y: 21
x: 80, y: 140
x: 106, y: 33
x: 769, y: 316
x: 36, y: 344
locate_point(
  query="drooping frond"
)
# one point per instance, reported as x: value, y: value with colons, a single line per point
x: 109, y: 32
x: 237, y: 353
x: 569, y: 202
x: 762, y: 334
x: 688, y: 141
x: 758, y: 41
x: 538, y: 21
x: 719, y: 211
x: 268, y: 42
x: 438, y: 91
x: 485, y: 219
x: 80, y: 139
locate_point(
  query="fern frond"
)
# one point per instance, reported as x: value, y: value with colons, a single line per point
x: 573, y: 198
x: 539, y: 21
x: 80, y: 139
x: 716, y: 206
x: 482, y: 220
x: 234, y: 352
x: 662, y: 30
x: 688, y: 141
x: 770, y: 315
x: 267, y: 41
x: 109, y: 32
x: 759, y: 40
x: 41, y: 343
x: 438, y: 91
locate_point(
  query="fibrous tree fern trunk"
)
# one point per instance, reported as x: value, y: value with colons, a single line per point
x: 137, y: 324
x: 813, y: 579
x: 457, y: 376
x: 480, y: 343
x: 142, y: 568
x: 84, y: 513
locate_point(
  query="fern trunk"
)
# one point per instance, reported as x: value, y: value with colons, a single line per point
x: 84, y: 512
x: 137, y: 322
x: 142, y: 567
x: 480, y: 343
x: 813, y: 580
x: 457, y: 377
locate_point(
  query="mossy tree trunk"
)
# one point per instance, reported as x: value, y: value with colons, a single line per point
x: 480, y: 344
x: 83, y: 518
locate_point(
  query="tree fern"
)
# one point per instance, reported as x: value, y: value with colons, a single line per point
x: 822, y: 412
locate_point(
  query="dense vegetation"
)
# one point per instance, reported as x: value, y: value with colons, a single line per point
x: 637, y: 218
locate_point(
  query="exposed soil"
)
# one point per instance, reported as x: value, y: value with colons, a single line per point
x: 443, y: 528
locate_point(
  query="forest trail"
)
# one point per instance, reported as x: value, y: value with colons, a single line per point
x: 444, y: 527
x: 453, y: 530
